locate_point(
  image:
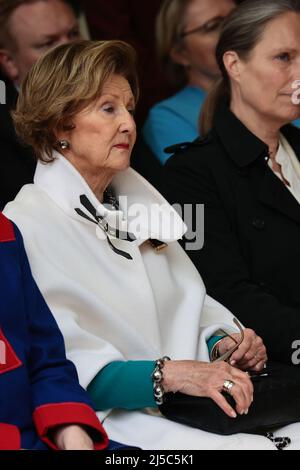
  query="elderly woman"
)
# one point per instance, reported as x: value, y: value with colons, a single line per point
x: 246, y: 172
x: 103, y: 248
x: 42, y: 405
x: 187, y: 34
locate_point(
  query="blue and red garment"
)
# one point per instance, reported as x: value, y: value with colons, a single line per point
x: 39, y: 388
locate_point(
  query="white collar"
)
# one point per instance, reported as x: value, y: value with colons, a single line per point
x: 287, y: 154
x: 143, y: 210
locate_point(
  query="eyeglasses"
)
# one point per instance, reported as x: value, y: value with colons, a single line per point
x: 228, y: 353
x: 209, y: 27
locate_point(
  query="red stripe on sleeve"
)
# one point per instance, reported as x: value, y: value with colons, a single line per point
x: 10, y: 438
x: 7, y: 233
x: 48, y: 417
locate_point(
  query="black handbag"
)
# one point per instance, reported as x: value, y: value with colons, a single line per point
x: 276, y: 403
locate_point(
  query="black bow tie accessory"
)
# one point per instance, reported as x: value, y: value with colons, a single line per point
x: 102, y: 223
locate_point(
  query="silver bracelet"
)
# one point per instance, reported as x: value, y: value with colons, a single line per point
x: 157, y: 377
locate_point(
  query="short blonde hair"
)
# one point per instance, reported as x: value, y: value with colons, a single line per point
x: 169, y: 28
x: 62, y: 83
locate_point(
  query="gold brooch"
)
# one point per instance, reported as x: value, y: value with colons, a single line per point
x: 157, y: 244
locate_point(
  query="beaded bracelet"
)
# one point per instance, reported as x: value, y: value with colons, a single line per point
x: 157, y: 377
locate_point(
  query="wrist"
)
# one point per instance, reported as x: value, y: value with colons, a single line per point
x: 175, y: 375
x: 214, y: 353
x: 216, y: 348
x: 59, y: 437
x: 72, y: 437
x: 168, y: 376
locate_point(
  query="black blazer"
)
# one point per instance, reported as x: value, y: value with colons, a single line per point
x: 250, y: 260
x: 17, y: 163
x: 145, y: 162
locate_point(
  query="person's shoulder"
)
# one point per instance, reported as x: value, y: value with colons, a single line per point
x: 182, y: 96
x: 201, y: 151
x: 291, y: 131
x: 29, y: 193
x: 160, y: 114
x: 7, y: 229
x: 28, y: 207
x: 11, y: 240
x: 162, y: 107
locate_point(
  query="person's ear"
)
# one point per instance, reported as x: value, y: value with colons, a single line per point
x: 8, y: 65
x: 179, y: 55
x: 63, y: 133
x: 233, y: 65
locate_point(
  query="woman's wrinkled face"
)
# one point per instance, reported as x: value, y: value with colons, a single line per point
x: 205, y: 18
x: 266, y: 77
x: 104, y: 134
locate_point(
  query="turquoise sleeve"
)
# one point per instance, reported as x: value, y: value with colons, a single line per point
x: 164, y: 128
x: 297, y: 123
x: 125, y: 385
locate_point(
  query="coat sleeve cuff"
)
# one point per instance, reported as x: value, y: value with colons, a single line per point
x: 48, y: 417
x: 10, y: 438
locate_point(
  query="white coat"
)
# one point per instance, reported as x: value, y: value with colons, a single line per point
x: 110, y: 308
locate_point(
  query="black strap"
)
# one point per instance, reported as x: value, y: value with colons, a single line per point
x: 280, y: 442
x: 100, y: 221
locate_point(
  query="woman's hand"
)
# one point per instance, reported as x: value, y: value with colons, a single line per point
x: 250, y: 355
x: 72, y: 437
x: 202, y: 379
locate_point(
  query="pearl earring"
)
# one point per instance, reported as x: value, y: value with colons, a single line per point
x: 64, y: 144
